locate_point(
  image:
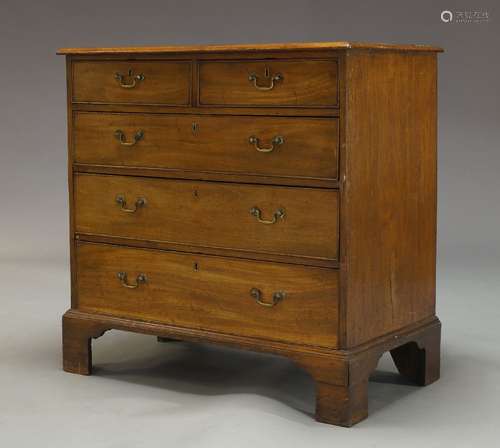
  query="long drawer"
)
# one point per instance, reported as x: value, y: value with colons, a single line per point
x: 256, y: 218
x: 278, y: 83
x: 133, y: 82
x: 273, y: 146
x: 295, y: 304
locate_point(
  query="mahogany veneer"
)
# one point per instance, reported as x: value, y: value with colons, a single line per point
x: 279, y: 198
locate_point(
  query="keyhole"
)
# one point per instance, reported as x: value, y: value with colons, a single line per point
x: 266, y: 72
x: 194, y: 127
x: 195, y: 194
x: 195, y: 266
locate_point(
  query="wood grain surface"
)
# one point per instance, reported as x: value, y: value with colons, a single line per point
x: 222, y: 48
x: 210, y: 214
x: 217, y: 144
x: 165, y: 82
x: 211, y: 293
x: 311, y: 83
x: 389, y: 200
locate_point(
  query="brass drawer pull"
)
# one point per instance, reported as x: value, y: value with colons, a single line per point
x: 141, y: 278
x: 122, y: 202
x: 257, y: 295
x: 272, y: 80
x: 276, y: 141
x: 133, y: 79
x: 120, y: 135
x: 278, y: 214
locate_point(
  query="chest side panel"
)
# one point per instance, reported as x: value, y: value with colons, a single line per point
x: 389, y: 198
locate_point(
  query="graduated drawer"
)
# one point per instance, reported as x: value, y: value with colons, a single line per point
x: 297, y: 304
x: 272, y: 146
x: 299, y: 83
x: 256, y: 218
x: 134, y: 82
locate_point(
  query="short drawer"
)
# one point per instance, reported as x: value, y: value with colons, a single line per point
x: 276, y: 220
x: 132, y: 82
x: 299, y: 83
x: 271, y: 146
x: 257, y: 299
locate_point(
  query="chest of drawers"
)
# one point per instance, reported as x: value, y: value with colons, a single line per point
x: 278, y: 198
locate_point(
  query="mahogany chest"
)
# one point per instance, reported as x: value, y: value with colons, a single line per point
x: 279, y: 198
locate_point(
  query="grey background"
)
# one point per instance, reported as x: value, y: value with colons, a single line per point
x: 186, y: 395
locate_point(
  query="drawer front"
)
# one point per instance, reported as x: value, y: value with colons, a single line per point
x: 255, y: 218
x: 136, y: 82
x: 210, y: 293
x: 273, y: 146
x: 307, y: 83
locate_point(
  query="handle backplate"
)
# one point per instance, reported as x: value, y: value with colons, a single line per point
x: 271, y: 80
x: 120, y: 136
x: 122, y: 202
x: 140, y: 279
x: 277, y: 297
x: 277, y: 215
x: 132, y: 79
x: 276, y: 141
